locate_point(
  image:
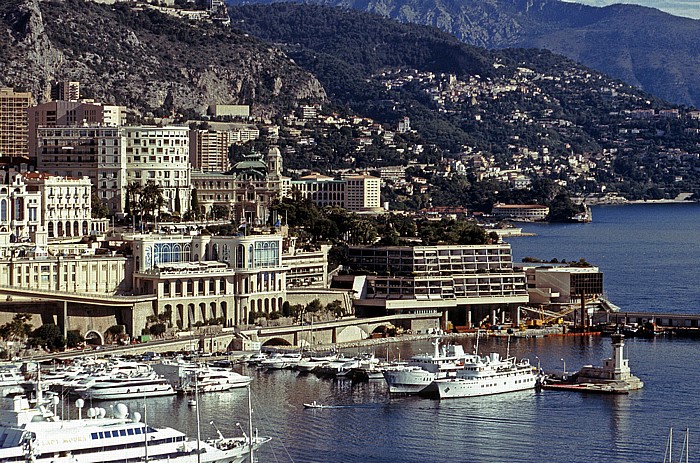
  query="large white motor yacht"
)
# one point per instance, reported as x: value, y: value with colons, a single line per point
x: 36, y: 434
x: 423, y: 369
x: 484, y: 376
x: 126, y: 387
x: 211, y: 379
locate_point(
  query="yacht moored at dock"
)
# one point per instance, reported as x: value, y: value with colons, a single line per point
x: 36, y: 434
x: 484, y: 376
x: 421, y: 370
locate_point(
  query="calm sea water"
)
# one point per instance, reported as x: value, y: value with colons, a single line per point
x: 648, y: 254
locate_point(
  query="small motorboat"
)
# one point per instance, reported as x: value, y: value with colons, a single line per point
x: 314, y: 405
x: 192, y: 403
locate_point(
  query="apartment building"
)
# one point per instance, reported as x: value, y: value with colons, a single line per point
x: 356, y: 193
x: 160, y: 154
x: 95, y: 152
x: 14, y: 132
x: 209, y: 150
x: 64, y: 113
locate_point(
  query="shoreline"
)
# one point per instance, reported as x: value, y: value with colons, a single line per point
x: 641, y: 201
x: 372, y: 342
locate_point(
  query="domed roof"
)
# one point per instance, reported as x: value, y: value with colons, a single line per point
x: 251, y: 166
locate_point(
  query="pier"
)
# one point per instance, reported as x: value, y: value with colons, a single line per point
x: 661, y: 320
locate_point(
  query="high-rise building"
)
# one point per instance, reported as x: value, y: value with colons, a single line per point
x: 65, y: 90
x: 96, y: 152
x: 209, y: 150
x: 61, y: 114
x: 160, y: 154
x: 13, y: 122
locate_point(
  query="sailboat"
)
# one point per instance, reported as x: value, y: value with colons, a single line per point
x: 668, y: 455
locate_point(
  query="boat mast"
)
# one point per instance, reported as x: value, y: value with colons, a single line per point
x: 250, y: 424
x: 196, y: 399
x: 145, y: 428
x: 669, y: 447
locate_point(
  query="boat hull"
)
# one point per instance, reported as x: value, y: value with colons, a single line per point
x: 459, y: 387
x: 408, y: 381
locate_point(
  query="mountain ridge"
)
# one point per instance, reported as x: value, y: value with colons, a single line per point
x: 642, y: 46
x: 145, y: 60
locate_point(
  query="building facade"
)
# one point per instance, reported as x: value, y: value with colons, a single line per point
x: 65, y: 208
x: 403, y: 279
x: 14, y: 131
x: 529, y: 212
x: 357, y: 193
x: 247, y: 191
x: 204, y: 278
x: 95, y: 152
x: 563, y: 284
x: 161, y: 155
x: 20, y: 212
x: 68, y: 114
x: 209, y: 150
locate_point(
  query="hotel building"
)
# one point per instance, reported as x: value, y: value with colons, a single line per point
x: 357, y: 193
x: 454, y: 278
x: 160, y: 154
x: 203, y: 278
x: 530, y: 212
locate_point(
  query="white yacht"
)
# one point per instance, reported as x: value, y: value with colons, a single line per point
x: 423, y: 369
x: 126, y: 387
x: 211, y: 379
x: 308, y: 364
x: 281, y: 361
x: 484, y: 376
x: 36, y: 434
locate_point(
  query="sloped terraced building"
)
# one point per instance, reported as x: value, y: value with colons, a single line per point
x: 448, y: 278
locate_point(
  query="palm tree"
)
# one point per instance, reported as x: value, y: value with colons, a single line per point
x: 133, y: 190
x: 151, y: 199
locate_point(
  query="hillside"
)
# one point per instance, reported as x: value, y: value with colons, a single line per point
x: 641, y: 46
x: 487, y: 114
x: 144, y: 59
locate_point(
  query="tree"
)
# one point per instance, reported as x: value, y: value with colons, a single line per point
x: 314, y: 306
x: 194, y: 205
x: 17, y: 329
x: 99, y: 208
x: 48, y: 336
x: 74, y: 339
x: 133, y: 190
x: 151, y: 199
x: 219, y: 211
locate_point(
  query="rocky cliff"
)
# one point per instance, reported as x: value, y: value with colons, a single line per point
x: 144, y: 59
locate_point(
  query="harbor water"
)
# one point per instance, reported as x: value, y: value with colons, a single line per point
x: 649, y: 255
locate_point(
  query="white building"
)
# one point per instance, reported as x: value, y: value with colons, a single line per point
x: 20, y: 217
x: 356, y: 193
x: 521, y: 211
x: 65, y: 209
x: 160, y: 154
x: 96, y: 152
x: 197, y: 279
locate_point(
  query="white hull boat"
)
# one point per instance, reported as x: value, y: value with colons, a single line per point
x: 485, y: 376
x: 35, y: 434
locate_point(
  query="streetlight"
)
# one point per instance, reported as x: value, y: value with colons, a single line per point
x: 564, y: 365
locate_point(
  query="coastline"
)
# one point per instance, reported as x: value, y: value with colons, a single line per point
x: 640, y: 201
